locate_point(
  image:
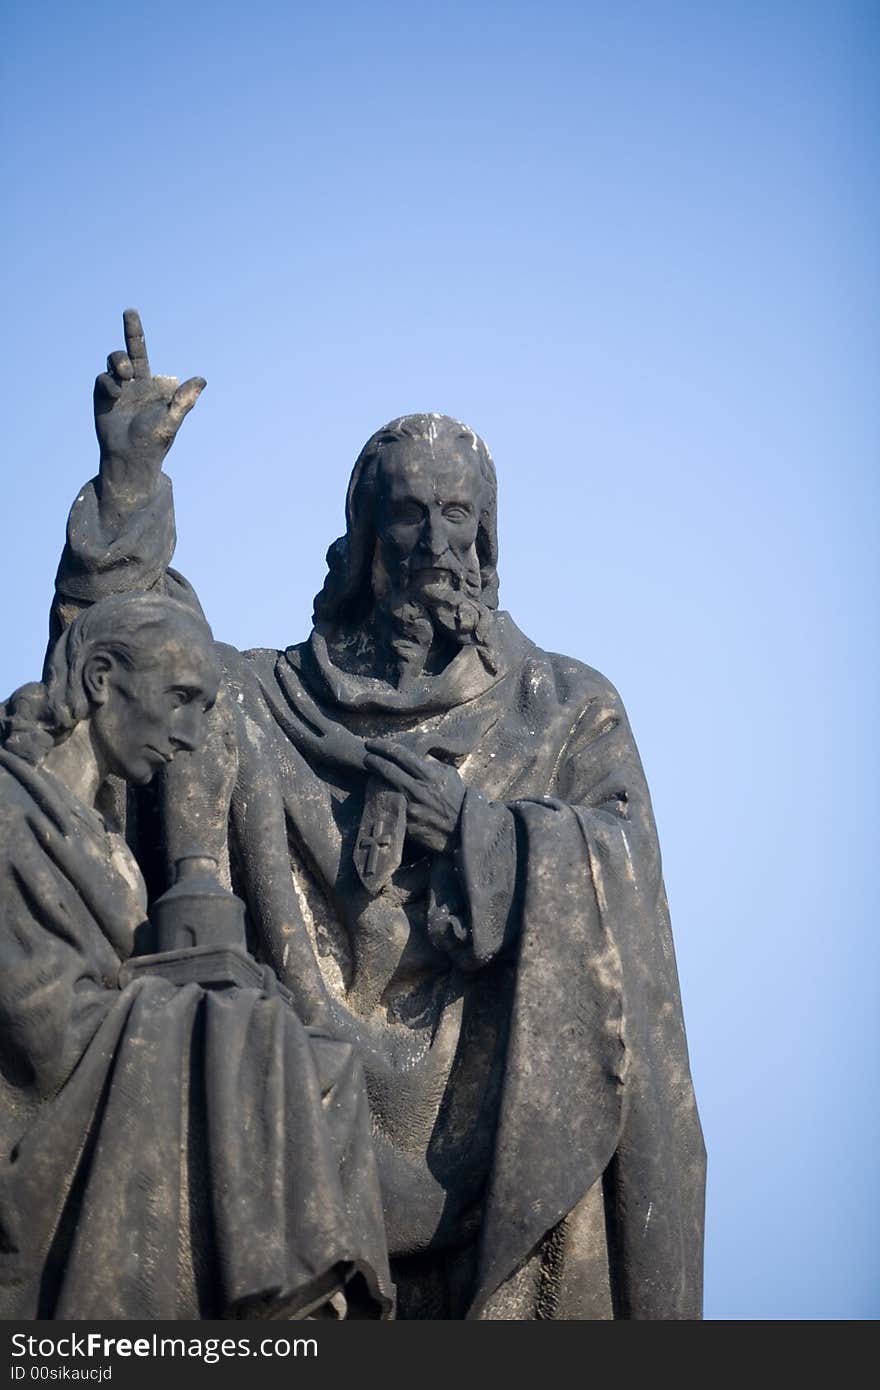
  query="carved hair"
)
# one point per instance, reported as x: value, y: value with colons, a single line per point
x: 127, y: 627
x: 347, y: 593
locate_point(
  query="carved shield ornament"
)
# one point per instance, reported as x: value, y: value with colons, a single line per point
x: 379, y: 845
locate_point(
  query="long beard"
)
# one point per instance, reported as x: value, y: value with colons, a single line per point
x: 420, y: 611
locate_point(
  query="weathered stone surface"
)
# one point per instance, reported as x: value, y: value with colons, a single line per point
x: 168, y: 1150
x: 444, y: 842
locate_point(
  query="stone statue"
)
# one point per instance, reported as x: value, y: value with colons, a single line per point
x: 445, y: 843
x: 168, y: 1151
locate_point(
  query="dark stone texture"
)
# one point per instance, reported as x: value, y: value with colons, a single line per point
x: 444, y: 842
x: 168, y: 1150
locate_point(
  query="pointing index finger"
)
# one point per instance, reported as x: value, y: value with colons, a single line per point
x: 134, y: 343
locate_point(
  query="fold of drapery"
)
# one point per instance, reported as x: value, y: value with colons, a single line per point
x: 168, y: 1152
x: 594, y: 1163
x: 596, y: 1086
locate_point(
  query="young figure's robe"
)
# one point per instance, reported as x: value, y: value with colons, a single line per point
x: 515, y: 1004
x: 167, y: 1152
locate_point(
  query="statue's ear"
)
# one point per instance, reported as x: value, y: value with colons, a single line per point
x: 96, y: 677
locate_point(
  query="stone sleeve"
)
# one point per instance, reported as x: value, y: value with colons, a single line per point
x: 472, y: 894
x: 114, y: 547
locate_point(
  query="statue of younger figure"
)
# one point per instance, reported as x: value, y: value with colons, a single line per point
x: 165, y: 1151
x: 445, y: 842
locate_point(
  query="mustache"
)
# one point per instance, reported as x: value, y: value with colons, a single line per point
x: 463, y: 575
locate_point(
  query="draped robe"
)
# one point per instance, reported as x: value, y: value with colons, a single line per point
x: 515, y: 1003
x: 167, y: 1152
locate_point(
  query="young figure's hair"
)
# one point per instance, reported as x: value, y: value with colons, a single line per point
x: 128, y: 627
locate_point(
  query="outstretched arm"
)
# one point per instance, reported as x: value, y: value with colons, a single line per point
x: 120, y: 535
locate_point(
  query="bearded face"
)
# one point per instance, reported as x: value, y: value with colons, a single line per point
x: 426, y: 571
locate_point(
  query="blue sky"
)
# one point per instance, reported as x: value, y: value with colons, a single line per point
x: 636, y: 248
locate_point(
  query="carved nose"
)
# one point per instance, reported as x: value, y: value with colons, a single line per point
x: 435, y: 540
x: 186, y: 732
x: 182, y: 743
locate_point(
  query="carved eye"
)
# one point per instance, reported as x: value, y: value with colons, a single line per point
x: 407, y: 515
x: 179, y: 696
x: 456, y: 513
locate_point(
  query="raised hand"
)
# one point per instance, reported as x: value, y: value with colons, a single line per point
x: 434, y: 792
x: 137, y: 415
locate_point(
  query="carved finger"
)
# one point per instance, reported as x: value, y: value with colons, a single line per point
x: 184, y: 399
x: 394, y: 775
x: 107, y: 389
x: 410, y: 762
x: 309, y: 718
x: 119, y: 364
x: 135, y: 344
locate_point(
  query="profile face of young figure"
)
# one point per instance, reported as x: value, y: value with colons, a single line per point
x: 143, y: 715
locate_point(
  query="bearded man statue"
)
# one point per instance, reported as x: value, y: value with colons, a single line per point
x: 445, y: 842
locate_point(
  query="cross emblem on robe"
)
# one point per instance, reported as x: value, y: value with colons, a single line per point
x: 379, y: 843
x: 374, y: 839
